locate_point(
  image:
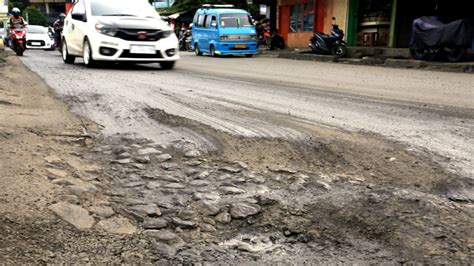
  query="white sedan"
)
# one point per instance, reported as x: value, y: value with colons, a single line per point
x: 37, y: 37
x: 118, y: 31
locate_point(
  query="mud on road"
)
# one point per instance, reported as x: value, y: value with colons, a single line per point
x: 333, y: 196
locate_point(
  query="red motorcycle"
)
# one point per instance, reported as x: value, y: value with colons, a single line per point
x: 18, y: 39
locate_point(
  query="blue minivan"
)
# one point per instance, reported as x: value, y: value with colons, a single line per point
x: 223, y: 30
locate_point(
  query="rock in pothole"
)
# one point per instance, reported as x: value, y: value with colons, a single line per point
x: 102, y: 211
x: 163, y: 158
x: 74, y: 215
x: 154, y: 223
x: 243, y: 210
x: 118, y: 225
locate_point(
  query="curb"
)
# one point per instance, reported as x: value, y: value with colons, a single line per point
x: 463, y: 67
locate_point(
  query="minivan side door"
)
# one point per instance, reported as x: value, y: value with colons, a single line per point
x: 213, y: 30
x: 205, y: 37
x: 77, y: 27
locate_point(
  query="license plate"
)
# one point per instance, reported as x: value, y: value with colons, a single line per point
x: 36, y: 43
x: 240, y: 46
x: 142, y: 49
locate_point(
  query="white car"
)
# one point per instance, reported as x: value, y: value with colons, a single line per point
x: 37, y: 37
x: 120, y: 31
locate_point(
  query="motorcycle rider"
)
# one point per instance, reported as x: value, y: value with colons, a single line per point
x: 16, y: 20
x: 58, y: 26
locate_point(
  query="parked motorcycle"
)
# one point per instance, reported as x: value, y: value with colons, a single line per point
x: 333, y: 44
x: 18, y: 39
x: 432, y: 39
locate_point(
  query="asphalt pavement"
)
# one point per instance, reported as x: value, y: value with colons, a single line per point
x: 272, y: 98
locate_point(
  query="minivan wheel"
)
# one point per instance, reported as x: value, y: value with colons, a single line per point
x: 68, y: 59
x: 197, y: 51
x: 87, y: 55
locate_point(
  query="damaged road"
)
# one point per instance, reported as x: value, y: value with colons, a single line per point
x: 185, y: 167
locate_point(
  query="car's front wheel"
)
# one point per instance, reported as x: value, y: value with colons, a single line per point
x: 87, y: 55
x: 68, y: 59
x: 167, y: 65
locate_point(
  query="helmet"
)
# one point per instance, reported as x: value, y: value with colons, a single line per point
x: 16, y: 12
x: 62, y: 15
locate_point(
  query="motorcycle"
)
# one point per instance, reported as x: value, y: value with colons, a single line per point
x: 58, y: 39
x: 432, y: 39
x: 333, y: 44
x: 18, y: 39
x: 185, y: 41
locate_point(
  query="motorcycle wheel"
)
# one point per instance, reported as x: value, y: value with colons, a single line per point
x: 455, y: 54
x: 20, y: 49
x: 339, y: 50
x: 424, y: 54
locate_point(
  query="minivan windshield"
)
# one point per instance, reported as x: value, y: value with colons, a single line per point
x: 134, y: 8
x: 235, y: 20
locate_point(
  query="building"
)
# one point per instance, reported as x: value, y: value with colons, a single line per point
x: 382, y: 23
x: 51, y: 8
x: 388, y: 23
x: 299, y: 19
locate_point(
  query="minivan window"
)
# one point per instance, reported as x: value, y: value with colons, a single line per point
x: 207, y: 21
x: 200, y: 21
x: 235, y: 20
x: 214, y: 22
x: 122, y: 8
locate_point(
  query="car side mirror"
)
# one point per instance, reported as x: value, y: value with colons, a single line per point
x: 80, y: 17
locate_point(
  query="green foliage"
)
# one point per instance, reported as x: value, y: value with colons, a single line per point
x: 186, y: 5
x: 35, y: 16
x: 12, y: 4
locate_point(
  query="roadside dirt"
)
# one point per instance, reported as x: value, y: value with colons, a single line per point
x: 69, y: 194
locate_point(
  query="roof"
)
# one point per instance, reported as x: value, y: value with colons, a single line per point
x: 222, y: 11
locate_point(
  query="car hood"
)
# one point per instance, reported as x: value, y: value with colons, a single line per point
x: 241, y: 30
x: 133, y: 23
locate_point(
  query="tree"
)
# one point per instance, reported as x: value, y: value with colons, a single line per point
x: 35, y: 17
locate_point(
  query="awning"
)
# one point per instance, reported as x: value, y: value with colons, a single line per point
x: 175, y: 15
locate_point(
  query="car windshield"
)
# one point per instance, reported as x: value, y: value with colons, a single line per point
x: 36, y: 30
x: 235, y: 20
x: 123, y: 8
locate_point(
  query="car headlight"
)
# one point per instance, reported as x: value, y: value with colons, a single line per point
x: 224, y: 38
x: 165, y: 34
x: 105, y: 30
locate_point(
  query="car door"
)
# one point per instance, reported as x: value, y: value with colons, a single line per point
x: 77, y: 27
x: 205, y: 39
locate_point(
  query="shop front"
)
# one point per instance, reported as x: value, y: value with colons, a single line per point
x: 299, y: 19
x: 388, y: 23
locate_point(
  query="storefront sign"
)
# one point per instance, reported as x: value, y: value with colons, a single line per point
x: 4, y: 6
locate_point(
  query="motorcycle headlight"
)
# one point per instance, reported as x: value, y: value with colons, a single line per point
x: 224, y: 38
x: 105, y: 30
x: 165, y: 34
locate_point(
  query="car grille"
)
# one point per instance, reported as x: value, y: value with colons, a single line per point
x: 132, y: 35
x: 41, y: 43
x: 127, y: 54
x: 241, y: 37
